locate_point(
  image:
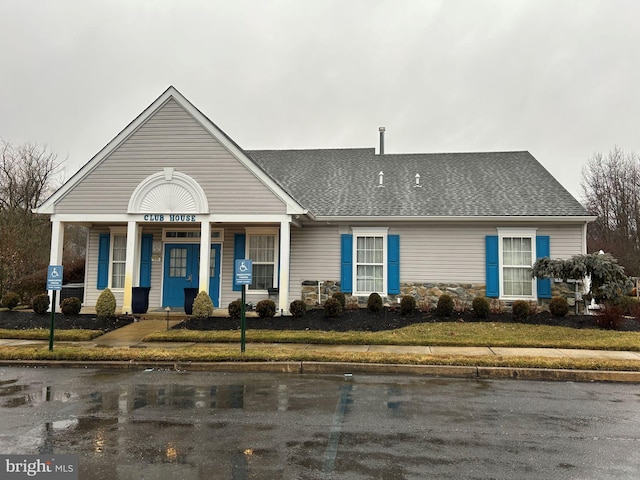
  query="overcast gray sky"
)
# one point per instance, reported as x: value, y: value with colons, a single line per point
x: 559, y: 78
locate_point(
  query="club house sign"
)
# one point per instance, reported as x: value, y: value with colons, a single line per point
x: 169, y: 217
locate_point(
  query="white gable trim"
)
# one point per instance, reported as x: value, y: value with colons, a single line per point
x: 48, y: 206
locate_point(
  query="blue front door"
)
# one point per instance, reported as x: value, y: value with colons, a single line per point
x: 181, y: 264
x: 181, y: 270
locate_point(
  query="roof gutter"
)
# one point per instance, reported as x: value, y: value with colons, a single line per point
x: 493, y: 218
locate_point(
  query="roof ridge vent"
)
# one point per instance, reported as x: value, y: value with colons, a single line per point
x: 381, y: 179
x: 417, y: 185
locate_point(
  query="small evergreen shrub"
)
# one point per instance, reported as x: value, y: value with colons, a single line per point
x: 520, y: 309
x: 374, y: 303
x: 10, y: 300
x: 407, y: 305
x: 341, y: 298
x: 445, y: 305
x: 558, y: 306
x: 106, y: 304
x: 481, y: 307
x: 40, y: 303
x: 332, y: 308
x: 235, y: 309
x: 297, y: 308
x: 266, y: 308
x: 610, y: 317
x: 71, y: 306
x: 202, y: 305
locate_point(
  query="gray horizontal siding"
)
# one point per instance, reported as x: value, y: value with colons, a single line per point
x: 171, y: 138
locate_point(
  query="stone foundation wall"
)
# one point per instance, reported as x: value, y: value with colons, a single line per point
x: 316, y: 292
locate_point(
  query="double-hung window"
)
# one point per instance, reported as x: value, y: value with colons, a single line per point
x: 118, y: 257
x: 262, y: 249
x: 517, y: 250
x: 370, y: 253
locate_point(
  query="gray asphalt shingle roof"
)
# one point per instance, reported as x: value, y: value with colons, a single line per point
x: 344, y: 182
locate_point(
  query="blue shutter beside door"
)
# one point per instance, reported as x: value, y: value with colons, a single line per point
x: 393, y: 264
x: 492, y: 266
x: 145, y: 260
x: 239, y: 248
x: 542, y: 250
x: 346, y: 263
x: 103, y: 261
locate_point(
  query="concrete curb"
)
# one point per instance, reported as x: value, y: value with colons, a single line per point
x: 337, y: 368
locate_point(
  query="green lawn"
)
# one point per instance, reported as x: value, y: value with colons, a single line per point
x: 435, y: 334
x: 74, y: 335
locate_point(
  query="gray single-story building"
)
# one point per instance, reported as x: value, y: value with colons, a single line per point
x: 173, y: 185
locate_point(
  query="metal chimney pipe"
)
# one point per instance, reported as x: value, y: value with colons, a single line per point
x: 381, y: 130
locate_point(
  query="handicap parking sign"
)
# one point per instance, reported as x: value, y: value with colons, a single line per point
x: 244, y: 272
x: 54, y: 277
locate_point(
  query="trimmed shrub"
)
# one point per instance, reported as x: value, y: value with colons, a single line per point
x: 445, y: 305
x: 10, y: 300
x: 558, y: 306
x: 628, y: 304
x: 341, y: 298
x: 610, y: 317
x: 297, y: 308
x: 40, y: 303
x: 106, y: 304
x: 266, y: 308
x: 332, y: 308
x: 481, y: 307
x: 71, y: 306
x: 374, y: 303
x: 235, y: 309
x: 202, y: 305
x: 407, y: 305
x: 520, y: 309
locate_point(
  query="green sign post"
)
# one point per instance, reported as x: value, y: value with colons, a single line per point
x: 243, y: 277
x: 54, y: 283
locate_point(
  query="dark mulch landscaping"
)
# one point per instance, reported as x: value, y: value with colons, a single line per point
x: 22, y: 320
x: 362, y: 320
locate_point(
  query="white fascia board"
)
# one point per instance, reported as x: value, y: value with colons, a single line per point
x: 125, y: 217
x: 515, y: 219
x: 48, y: 206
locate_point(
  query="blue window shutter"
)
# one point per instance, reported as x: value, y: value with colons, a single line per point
x: 393, y: 264
x: 239, y: 247
x: 542, y: 250
x: 346, y: 263
x: 145, y: 260
x: 103, y: 261
x: 493, y: 267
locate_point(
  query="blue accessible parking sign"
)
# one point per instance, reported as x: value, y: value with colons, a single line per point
x: 243, y: 272
x: 54, y: 277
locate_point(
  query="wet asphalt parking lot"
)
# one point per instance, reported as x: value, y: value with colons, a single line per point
x: 203, y: 425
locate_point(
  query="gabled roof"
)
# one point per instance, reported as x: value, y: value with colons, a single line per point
x: 48, y: 206
x: 344, y: 183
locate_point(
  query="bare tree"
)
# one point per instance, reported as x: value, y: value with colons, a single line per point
x: 26, y: 176
x: 611, y: 189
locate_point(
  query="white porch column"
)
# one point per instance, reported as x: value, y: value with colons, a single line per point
x: 205, y: 255
x: 285, y: 253
x: 55, y: 257
x: 133, y: 246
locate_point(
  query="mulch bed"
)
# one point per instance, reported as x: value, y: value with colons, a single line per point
x: 22, y: 320
x: 362, y: 320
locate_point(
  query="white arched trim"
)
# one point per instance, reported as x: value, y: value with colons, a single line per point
x: 168, y: 191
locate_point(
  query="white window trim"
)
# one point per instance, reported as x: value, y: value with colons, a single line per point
x: 114, y: 231
x: 508, y: 232
x: 251, y: 231
x: 370, y: 232
x: 166, y: 239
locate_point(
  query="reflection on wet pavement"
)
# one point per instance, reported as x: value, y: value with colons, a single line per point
x: 157, y: 425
